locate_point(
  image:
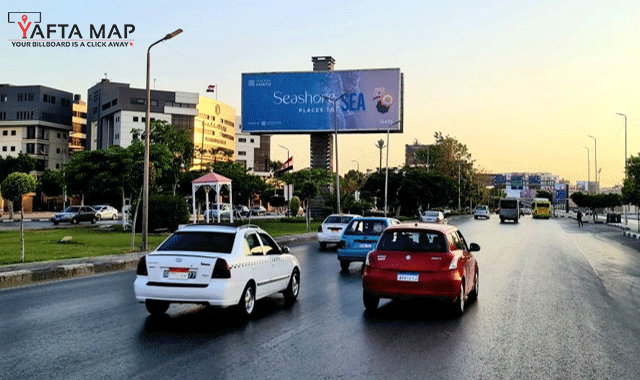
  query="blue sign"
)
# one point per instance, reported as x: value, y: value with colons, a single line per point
x: 561, y: 196
x: 534, y: 180
x: 517, y: 182
x: 299, y: 102
x: 499, y: 180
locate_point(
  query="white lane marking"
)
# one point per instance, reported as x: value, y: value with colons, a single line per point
x: 281, y: 338
x: 585, y: 256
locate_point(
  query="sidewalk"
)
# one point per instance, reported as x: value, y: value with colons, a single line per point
x: 37, y: 216
x: 14, y: 275
x: 630, y: 229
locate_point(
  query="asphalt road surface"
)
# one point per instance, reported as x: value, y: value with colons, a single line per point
x: 556, y: 302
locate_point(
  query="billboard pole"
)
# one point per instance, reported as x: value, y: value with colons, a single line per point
x: 335, y: 124
x: 386, y: 174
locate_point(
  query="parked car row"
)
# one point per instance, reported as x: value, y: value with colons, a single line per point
x: 77, y: 214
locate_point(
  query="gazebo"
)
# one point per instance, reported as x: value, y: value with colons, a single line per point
x: 210, y: 181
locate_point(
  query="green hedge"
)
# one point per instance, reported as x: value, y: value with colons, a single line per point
x: 165, y: 211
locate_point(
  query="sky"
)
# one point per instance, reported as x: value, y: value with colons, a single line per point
x: 521, y: 85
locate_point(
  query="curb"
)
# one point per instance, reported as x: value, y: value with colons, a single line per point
x: 73, y: 268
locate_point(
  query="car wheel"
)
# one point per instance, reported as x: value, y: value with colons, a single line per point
x: 458, y: 304
x: 501, y: 220
x: 114, y: 217
x: 345, y: 265
x: 474, y: 293
x: 323, y: 246
x: 475, y: 217
x: 99, y: 216
x: 156, y: 307
x: 370, y: 302
x: 75, y: 221
x: 55, y: 223
x: 247, y: 301
x: 291, y: 293
x: 94, y: 220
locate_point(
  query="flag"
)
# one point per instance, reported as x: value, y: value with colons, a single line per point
x: 288, y: 165
x: 211, y: 88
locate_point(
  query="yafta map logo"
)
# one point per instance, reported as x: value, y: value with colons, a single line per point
x: 33, y: 33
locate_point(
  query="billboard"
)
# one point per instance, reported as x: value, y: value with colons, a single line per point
x: 304, y: 102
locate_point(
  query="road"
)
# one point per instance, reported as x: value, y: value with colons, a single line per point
x: 556, y: 302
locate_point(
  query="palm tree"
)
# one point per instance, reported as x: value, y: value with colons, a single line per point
x: 380, y: 145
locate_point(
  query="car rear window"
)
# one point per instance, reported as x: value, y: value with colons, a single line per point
x: 508, y: 204
x: 220, y: 242
x: 414, y: 241
x: 338, y: 219
x: 365, y: 227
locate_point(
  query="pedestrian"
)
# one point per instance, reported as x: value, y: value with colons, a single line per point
x: 579, y: 216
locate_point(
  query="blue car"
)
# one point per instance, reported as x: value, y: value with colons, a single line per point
x: 361, y: 236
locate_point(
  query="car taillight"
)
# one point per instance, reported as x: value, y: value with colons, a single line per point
x: 371, y: 260
x: 342, y: 244
x: 454, y: 263
x: 221, y: 269
x: 142, y: 267
x: 319, y: 228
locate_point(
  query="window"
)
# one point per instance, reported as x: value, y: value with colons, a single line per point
x: 219, y: 242
x: 240, y: 153
x: 13, y: 133
x: 45, y: 98
x: 270, y: 246
x: 58, y: 135
x: 13, y: 148
x: 4, y: 148
x: 254, y: 244
x: 138, y: 101
x: 105, y: 106
x: 415, y: 241
x: 114, y: 102
x: 117, y: 119
x: 52, y: 99
x: 57, y: 166
x: 19, y: 97
x: 154, y: 102
x: 135, y: 118
x: 365, y: 227
x: 58, y: 150
x: 3, y: 98
x: 5, y: 133
x: 251, y: 140
x: 242, y: 139
x: 31, y: 96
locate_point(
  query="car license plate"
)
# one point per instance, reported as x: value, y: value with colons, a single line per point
x: 362, y: 245
x: 411, y: 277
x: 179, y: 273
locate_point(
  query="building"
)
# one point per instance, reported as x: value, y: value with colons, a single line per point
x: 410, y: 158
x: 36, y: 121
x: 78, y: 135
x: 214, y: 133
x: 253, y: 151
x: 114, y: 110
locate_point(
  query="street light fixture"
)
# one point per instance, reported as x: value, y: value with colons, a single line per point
x: 284, y: 147
x: 625, y: 161
x: 595, y: 155
x: 147, y: 135
x: 335, y: 124
x: 386, y: 175
x: 588, y: 168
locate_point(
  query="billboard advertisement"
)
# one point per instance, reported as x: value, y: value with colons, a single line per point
x: 304, y: 102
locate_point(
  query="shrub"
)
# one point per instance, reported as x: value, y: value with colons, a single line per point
x: 294, y: 205
x: 165, y: 211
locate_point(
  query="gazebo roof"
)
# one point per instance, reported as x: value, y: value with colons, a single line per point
x: 211, y: 178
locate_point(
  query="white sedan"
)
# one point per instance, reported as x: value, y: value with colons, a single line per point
x: 218, y: 266
x: 433, y: 217
x: 331, y: 229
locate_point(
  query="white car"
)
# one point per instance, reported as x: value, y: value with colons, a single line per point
x: 433, y: 217
x: 225, y: 212
x: 481, y: 211
x: 330, y: 231
x: 104, y: 212
x: 219, y: 266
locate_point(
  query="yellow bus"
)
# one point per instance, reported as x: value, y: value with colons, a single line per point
x: 541, y: 208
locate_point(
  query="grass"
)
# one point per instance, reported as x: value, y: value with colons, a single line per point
x: 43, y: 245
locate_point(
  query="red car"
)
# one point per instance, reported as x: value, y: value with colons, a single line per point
x: 421, y: 261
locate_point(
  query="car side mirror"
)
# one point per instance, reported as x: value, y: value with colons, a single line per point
x: 285, y: 250
x: 473, y: 247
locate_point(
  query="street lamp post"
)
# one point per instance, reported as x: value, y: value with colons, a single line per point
x: 335, y: 124
x: 459, y: 204
x: 625, y: 161
x: 147, y: 134
x: 386, y: 175
x: 595, y: 156
x: 588, y: 168
x: 284, y: 147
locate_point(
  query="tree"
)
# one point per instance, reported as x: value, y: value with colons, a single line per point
x: 180, y: 144
x: 20, y: 164
x: 631, y: 185
x: 14, y: 187
x: 380, y: 145
x: 545, y: 194
x: 52, y: 182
